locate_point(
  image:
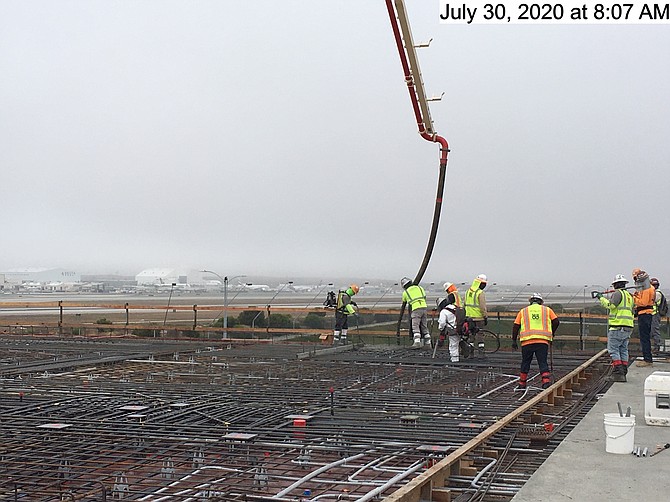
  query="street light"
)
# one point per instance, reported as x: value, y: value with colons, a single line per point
x: 224, y: 280
x: 329, y: 285
x: 517, y: 295
x: 168, y: 305
x: 253, y: 321
x: 384, y: 294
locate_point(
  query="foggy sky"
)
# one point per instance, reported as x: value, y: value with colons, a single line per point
x: 277, y: 138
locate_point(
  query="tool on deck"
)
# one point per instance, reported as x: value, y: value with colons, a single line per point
x: 620, y: 409
x: 659, y: 449
x: 628, y: 410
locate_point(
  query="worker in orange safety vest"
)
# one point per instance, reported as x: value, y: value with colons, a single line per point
x: 535, y: 327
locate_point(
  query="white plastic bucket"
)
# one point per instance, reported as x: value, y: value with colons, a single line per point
x: 620, y: 433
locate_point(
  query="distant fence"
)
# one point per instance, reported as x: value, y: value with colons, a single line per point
x: 193, y: 321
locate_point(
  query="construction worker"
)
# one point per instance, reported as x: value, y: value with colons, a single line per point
x: 345, y: 307
x: 415, y: 296
x: 448, y: 324
x: 535, y: 327
x: 659, y: 302
x: 453, y: 296
x: 619, y: 325
x: 644, y: 297
x: 475, y: 308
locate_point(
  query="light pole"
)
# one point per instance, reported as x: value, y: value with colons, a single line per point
x: 168, y: 305
x: 224, y: 280
x: 329, y: 285
x: 517, y: 295
x: 253, y: 321
x: 384, y: 294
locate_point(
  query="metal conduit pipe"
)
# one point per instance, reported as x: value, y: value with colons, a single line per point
x: 315, y: 473
x: 184, y: 478
x: 395, y: 479
x: 479, y: 475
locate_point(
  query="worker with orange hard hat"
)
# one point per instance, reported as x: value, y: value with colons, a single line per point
x: 644, y: 297
x: 345, y: 307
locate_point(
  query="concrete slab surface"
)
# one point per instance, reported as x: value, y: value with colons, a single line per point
x: 582, y: 470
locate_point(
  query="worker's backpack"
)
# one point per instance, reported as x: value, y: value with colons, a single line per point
x: 662, y: 306
x: 462, y: 321
x: 331, y: 300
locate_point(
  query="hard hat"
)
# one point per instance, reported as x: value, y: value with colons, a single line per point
x: 449, y: 287
x: 537, y: 298
x: 482, y: 278
x: 441, y: 303
x: 354, y: 288
x: 405, y: 282
x: 619, y: 278
x: 654, y: 282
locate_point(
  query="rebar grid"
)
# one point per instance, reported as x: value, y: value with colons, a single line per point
x: 180, y: 422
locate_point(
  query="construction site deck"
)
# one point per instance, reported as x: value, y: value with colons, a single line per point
x: 186, y: 420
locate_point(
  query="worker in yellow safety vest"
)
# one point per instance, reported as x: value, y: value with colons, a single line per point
x: 475, y: 309
x: 475, y: 301
x: 415, y: 297
x: 535, y: 327
x: 345, y: 307
x: 620, y: 323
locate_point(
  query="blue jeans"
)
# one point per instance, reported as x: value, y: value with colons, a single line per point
x: 617, y: 343
x: 644, y: 327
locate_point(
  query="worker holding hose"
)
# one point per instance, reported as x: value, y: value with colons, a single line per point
x: 415, y: 296
x: 619, y: 325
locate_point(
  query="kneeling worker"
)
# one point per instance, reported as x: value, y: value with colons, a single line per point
x: 535, y: 326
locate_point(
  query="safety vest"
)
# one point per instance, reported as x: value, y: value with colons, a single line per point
x: 623, y: 314
x: 535, y: 325
x: 472, y: 303
x: 344, y: 303
x: 415, y: 296
x: 457, y: 299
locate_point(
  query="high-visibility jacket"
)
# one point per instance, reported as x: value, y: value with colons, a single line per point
x: 344, y: 303
x: 472, y: 306
x: 535, y: 321
x: 644, y: 300
x: 415, y: 296
x: 620, y: 315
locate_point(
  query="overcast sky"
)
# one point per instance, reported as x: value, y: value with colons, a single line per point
x: 277, y: 138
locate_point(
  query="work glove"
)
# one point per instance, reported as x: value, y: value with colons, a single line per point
x: 354, y: 304
x: 486, y: 321
x: 514, y: 345
x: 596, y: 294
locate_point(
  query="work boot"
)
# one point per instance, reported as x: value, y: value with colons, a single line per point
x: 618, y: 374
x: 624, y: 367
x: 343, y: 338
x: 336, y: 338
x: 426, y: 342
x: 643, y: 364
x: 521, y: 386
x: 546, y: 385
x: 417, y: 343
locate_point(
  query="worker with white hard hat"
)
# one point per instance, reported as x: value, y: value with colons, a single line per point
x: 535, y: 327
x: 415, y: 296
x: 619, y: 325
